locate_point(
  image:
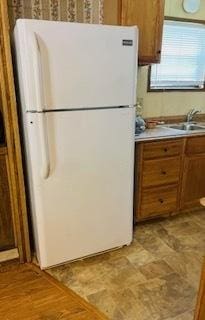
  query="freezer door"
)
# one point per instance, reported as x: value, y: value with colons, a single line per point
x: 85, y: 204
x: 75, y: 65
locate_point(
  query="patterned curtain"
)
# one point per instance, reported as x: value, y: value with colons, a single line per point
x: 88, y: 11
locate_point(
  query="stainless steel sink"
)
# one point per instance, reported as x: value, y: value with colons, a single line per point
x: 187, y: 127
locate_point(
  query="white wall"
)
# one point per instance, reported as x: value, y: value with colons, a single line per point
x: 170, y: 103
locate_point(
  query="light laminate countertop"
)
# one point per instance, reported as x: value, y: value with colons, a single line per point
x: 164, y: 132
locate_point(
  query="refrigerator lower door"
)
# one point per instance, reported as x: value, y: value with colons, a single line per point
x: 85, y: 203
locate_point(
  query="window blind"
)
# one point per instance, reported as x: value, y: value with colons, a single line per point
x: 183, y: 57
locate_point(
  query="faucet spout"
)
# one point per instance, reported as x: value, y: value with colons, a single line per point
x: 191, y: 114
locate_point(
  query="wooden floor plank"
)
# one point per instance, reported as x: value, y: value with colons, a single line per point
x: 200, y: 310
x: 27, y: 293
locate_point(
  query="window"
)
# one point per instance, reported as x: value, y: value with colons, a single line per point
x: 183, y: 58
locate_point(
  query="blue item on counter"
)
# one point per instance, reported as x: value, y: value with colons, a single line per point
x: 139, y: 125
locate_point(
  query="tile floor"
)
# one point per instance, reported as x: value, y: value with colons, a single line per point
x: 156, y: 278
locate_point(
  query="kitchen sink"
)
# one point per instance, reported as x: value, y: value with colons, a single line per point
x: 187, y: 127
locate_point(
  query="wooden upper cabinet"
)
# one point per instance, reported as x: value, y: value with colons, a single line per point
x: 112, y: 12
x: 148, y: 15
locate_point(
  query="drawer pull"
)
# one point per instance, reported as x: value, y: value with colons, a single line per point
x: 161, y: 200
x: 163, y: 172
x: 165, y: 149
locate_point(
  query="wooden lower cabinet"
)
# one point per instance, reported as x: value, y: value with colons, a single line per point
x: 195, y: 146
x: 193, y: 184
x: 157, y: 177
x: 6, y: 223
x: 160, y: 171
x: 169, y: 176
x: 162, y: 149
x: 158, y: 201
x: 193, y: 187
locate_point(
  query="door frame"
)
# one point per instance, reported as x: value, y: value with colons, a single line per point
x: 9, y: 111
x: 200, y: 308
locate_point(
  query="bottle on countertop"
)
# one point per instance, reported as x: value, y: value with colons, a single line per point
x: 139, y: 121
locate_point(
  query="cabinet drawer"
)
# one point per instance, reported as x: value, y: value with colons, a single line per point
x: 195, y: 145
x: 158, y: 201
x: 162, y: 171
x: 161, y: 149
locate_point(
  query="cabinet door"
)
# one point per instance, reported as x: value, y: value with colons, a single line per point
x: 112, y: 12
x: 148, y: 15
x: 193, y: 187
x: 6, y: 224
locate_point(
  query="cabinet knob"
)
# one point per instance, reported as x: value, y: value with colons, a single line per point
x: 165, y: 149
x: 159, y: 51
x: 161, y: 200
x: 163, y: 172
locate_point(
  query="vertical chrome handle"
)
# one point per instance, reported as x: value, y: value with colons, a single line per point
x: 38, y: 81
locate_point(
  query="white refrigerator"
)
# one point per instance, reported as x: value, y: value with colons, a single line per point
x: 77, y: 85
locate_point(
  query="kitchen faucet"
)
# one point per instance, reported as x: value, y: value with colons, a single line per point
x: 191, y: 114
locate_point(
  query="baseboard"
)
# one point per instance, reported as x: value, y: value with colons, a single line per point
x: 9, y: 255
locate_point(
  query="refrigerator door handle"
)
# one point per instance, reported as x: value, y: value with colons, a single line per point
x: 45, y: 167
x: 37, y: 73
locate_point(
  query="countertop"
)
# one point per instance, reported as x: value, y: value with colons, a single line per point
x: 163, y: 132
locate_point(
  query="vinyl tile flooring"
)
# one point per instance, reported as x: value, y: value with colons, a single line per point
x: 155, y: 278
